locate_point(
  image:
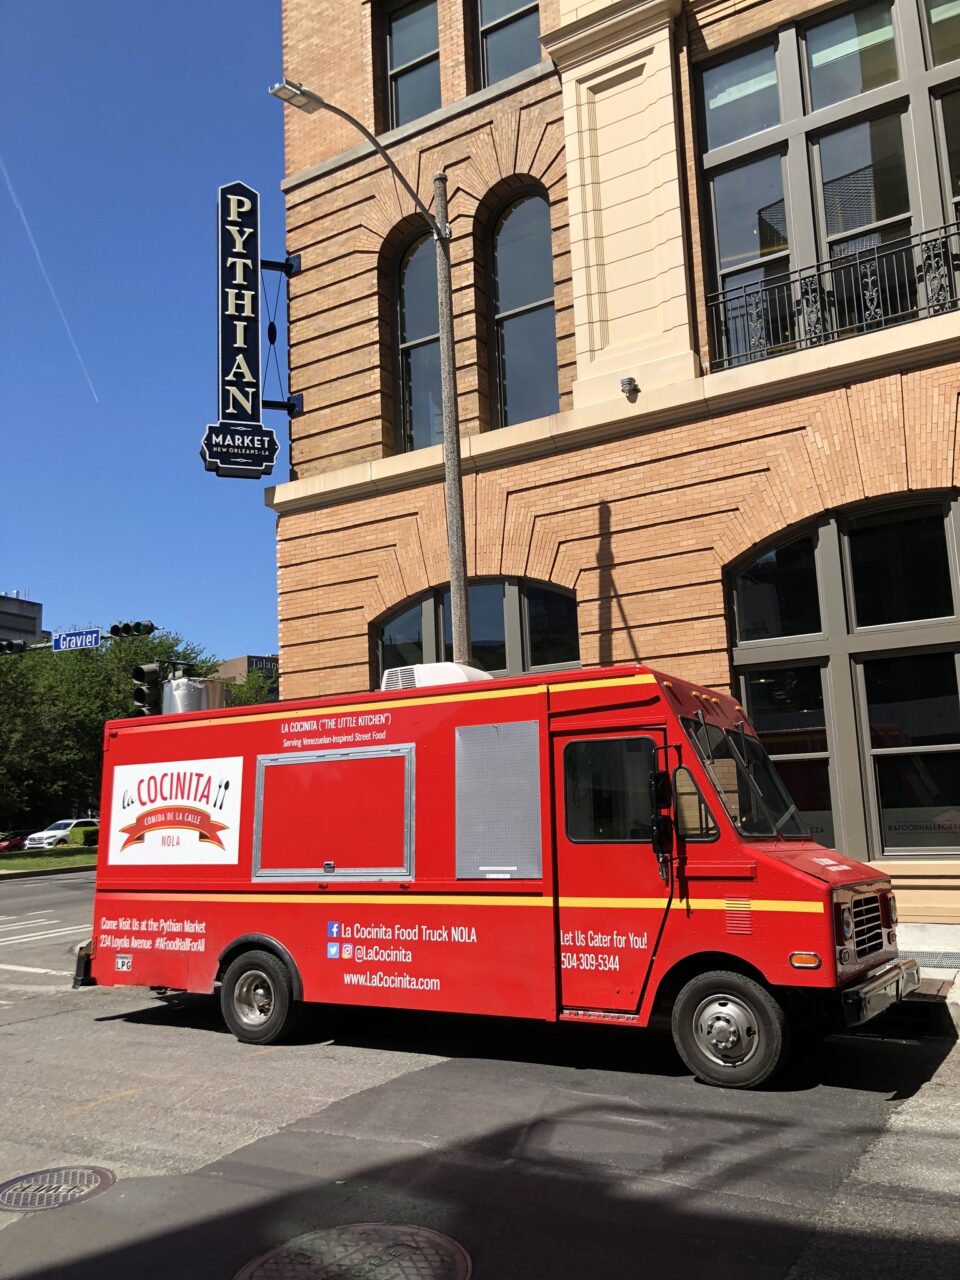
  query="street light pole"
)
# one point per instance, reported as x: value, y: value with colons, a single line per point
x: 298, y: 95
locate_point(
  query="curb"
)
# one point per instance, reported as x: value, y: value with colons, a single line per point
x: 27, y: 874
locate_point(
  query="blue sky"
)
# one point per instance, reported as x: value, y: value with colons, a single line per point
x: 118, y: 122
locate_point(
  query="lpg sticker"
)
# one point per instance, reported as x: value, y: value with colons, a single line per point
x: 123, y: 964
x: 176, y: 813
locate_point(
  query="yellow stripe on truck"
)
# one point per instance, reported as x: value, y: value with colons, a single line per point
x: 473, y: 900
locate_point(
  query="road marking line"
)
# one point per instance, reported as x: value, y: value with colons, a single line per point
x: 97, y: 1102
x: 28, y: 924
x: 38, y: 937
x: 274, y: 1048
x: 37, y: 913
x: 24, y: 968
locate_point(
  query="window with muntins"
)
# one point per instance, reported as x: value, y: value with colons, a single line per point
x: 418, y: 348
x: 847, y: 655
x: 524, y: 321
x: 509, y: 38
x: 413, y: 61
x: 831, y: 166
x: 515, y: 626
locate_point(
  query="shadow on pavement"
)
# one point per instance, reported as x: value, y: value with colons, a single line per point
x: 610, y: 1187
x: 887, y: 1064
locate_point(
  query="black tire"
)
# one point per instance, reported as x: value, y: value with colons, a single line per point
x: 729, y: 1030
x: 256, y: 998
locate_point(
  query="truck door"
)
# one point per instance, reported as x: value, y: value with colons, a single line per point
x: 612, y: 900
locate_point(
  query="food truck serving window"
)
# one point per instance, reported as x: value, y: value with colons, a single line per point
x: 498, y: 801
x: 335, y: 814
x: 607, y: 789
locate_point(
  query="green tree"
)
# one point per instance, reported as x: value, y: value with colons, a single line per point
x: 258, y: 687
x: 52, y: 711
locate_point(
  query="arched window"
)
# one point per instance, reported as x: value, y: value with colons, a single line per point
x: 524, y: 325
x: 418, y: 329
x: 509, y: 38
x: 847, y: 656
x: 515, y: 626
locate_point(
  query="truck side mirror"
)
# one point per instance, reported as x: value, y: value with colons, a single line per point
x: 661, y: 836
x: 661, y: 791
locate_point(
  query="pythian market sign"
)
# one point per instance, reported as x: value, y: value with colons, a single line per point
x: 239, y: 444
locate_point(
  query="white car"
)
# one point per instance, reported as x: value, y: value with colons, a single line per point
x: 58, y: 833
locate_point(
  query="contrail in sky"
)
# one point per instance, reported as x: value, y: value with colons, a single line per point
x: 43, y: 270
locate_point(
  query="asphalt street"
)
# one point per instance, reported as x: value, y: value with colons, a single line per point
x: 545, y: 1151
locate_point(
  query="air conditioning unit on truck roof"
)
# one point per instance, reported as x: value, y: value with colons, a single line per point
x: 429, y: 673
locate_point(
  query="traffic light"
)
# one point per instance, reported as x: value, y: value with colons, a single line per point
x: 120, y: 630
x: 147, y: 689
x: 13, y: 646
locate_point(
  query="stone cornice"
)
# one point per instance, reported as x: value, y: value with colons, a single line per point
x: 608, y: 28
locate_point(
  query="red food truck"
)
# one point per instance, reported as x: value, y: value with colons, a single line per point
x: 594, y: 846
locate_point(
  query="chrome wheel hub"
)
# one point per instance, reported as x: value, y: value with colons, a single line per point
x: 253, y: 999
x: 725, y: 1029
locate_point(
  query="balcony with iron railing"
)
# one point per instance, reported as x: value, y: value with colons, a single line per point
x: 854, y: 292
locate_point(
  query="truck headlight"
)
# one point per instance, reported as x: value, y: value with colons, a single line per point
x: 846, y: 923
x: 892, y: 907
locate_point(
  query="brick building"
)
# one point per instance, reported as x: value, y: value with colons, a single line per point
x: 705, y: 271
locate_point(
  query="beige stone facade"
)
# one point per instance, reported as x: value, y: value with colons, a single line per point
x: 638, y: 505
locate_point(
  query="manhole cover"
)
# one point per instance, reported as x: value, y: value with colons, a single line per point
x: 365, y: 1249
x: 51, y: 1188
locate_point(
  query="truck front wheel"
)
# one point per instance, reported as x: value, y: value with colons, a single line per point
x: 256, y: 996
x: 729, y: 1030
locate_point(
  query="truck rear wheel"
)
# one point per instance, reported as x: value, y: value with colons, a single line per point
x: 256, y: 996
x: 729, y: 1030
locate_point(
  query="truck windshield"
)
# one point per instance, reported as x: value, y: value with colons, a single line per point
x: 746, y: 780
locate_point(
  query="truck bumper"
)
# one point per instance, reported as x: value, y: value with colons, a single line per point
x: 879, y: 991
x: 81, y: 976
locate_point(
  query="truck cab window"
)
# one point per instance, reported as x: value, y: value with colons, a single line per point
x: 694, y: 819
x: 607, y: 789
x: 746, y: 780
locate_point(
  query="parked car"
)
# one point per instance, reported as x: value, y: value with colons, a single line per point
x: 13, y: 841
x: 58, y: 833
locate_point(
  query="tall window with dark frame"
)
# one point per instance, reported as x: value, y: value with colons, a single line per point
x: 418, y: 348
x: 413, y: 61
x: 831, y: 160
x: 509, y: 38
x: 847, y: 652
x: 524, y: 322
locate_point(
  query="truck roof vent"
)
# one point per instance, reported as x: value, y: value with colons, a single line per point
x: 430, y: 673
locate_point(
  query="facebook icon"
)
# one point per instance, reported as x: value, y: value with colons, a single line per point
x: 333, y: 929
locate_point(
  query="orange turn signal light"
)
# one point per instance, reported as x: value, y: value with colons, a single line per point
x: 805, y: 960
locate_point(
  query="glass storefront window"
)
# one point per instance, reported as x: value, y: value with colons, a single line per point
x: 401, y: 643
x: 551, y: 627
x: 786, y: 709
x: 808, y: 782
x: 912, y: 701
x: 867, y: 704
x: 777, y: 594
x: 740, y: 97
x: 919, y: 798
x: 487, y: 637
x: 900, y: 567
x: 851, y: 54
x: 515, y: 626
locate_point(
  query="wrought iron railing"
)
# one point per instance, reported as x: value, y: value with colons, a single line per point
x: 856, y: 291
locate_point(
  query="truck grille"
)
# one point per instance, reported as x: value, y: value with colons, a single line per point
x: 867, y: 925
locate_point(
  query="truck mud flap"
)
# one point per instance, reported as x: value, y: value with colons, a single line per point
x: 81, y: 976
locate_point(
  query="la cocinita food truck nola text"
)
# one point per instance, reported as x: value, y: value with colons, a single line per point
x: 591, y: 846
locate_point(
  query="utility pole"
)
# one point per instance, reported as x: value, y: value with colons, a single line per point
x: 298, y: 95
